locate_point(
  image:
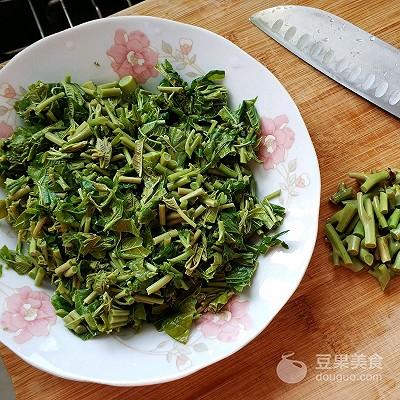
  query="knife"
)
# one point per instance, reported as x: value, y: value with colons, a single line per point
x: 6, y: 387
x: 356, y: 59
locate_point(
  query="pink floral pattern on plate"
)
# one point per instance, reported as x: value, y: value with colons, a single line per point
x: 226, y: 325
x: 8, y: 95
x: 277, y: 138
x: 131, y: 54
x: 28, y: 313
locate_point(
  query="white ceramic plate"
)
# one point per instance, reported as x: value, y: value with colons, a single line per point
x: 102, y: 50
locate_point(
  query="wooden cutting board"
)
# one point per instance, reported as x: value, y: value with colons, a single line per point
x: 333, y: 312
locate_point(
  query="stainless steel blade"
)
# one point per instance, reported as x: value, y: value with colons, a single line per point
x: 6, y: 387
x: 356, y: 59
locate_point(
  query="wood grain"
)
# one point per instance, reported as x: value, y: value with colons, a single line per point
x: 333, y: 311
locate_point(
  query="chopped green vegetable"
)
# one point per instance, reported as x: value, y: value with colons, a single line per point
x: 136, y: 206
x: 372, y: 238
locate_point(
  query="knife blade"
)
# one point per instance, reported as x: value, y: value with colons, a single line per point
x: 351, y: 56
x: 6, y: 387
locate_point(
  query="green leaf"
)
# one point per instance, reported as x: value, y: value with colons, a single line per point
x: 178, y: 325
x: 140, y: 272
x: 139, y: 316
x: 267, y: 242
x: 215, y: 75
x: 84, y: 243
x: 117, y: 211
x: 132, y: 248
x: 20, y: 263
x: 239, y: 277
x: 220, y: 301
x: 59, y: 303
x: 263, y: 214
x: 80, y: 306
x: 212, y: 269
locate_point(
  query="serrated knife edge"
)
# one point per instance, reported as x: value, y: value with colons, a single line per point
x: 371, y: 86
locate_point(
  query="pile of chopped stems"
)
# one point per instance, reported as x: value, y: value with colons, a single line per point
x: 135, y: 206
x: 365, y: 232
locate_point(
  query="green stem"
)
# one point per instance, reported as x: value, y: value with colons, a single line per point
x: 343, y: 193
x: 88, y: 85
x: 353, y: 223
x: 356, y: 265
x: 128, y: 143
x: 148, y: 299
x: 83, y: 132
x: 383, y: 203
x: 165, y: 159
x: 98, y: 121
x: 184, y: 191
x: 45, y: 103
x: 39, y: 227
x: 170, y: 89
x: 162, y: 214
x: 40, y: 274
x: 383, y: 247
x: 54, y: 138
x: 196, y: 236
x: 335, y: 218
x: 163, y: 170
x: 194, y: 194
x: 179, y: 183
x: 353, y: 244
x: 110, y: 92
x: 3, y: 208
x: 108, y: 85
x: 199, y: 210
x: 395, y: 233
x: 65, y: 267
x: 227, y: 171
x: 366, y: 257
x: 129, y: 179
x: 394, y: 219
x: 337, y: 244
x: 346, y: 216
x: 90, y: 297
x: 396, y: 264
x: 74, y: 147
x: 366, y: 215
x: 180, y: 174
x: 273, y: 195
x: 182, y: 257
x: 156, y: 286
x: 394, y: 246
x: 196, y: 142
x: 170, y: 234
x: 373, y: 180
x: 381, y: 218
x: 335, y: 258
x: 19, y: 194
x: 127, y: 84
x: 391, y: 197
x: 358, y: 176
